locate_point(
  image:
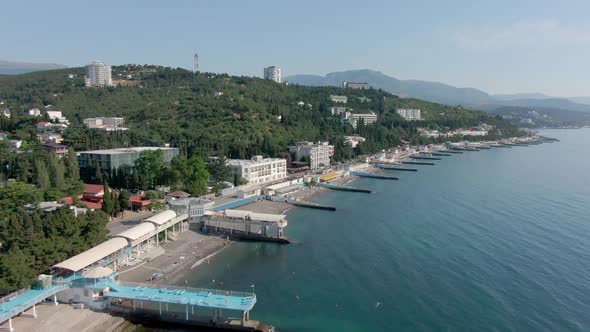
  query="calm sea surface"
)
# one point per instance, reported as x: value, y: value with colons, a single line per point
x: 491, y: 240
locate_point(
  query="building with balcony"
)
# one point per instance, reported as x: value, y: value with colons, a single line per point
x: 355, y: 118
x: 409, y: 114
x: 57, y: 116
x: 105, y: 123
x: 98, y: 75
x: 59, y: 149
x: 273, y: 73
x: 258, y: 170
x: 317, y: 155
x: 338, y: 99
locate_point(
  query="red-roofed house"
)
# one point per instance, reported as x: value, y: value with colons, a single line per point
x: 67, y: 200
x: 139, y: 202
x: 92, y: 205
x: 43, y: 125
x: 93, y: 192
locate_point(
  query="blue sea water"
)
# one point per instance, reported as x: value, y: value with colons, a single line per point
x: 491, y: 240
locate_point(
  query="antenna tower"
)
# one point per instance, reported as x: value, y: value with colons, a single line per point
x: 196, y: 63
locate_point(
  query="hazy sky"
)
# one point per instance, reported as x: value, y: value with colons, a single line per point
x: 499, y: 46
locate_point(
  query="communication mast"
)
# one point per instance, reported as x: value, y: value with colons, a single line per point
x: 196, y: 63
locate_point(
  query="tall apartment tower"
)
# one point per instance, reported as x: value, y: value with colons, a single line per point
x: 98, y: 74
x: 273, y: 73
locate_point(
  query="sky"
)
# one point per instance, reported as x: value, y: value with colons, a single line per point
x: 498, y: 46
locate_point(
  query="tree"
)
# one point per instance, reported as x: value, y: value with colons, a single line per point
x: 148, y: 167
x: 16, y: 194
x: 218, y: 169
x: 116, y: 203
x: 190, y: 175
x: 198, y: 176
x: 124, y: 201
x: 35, y: 240
x: 73, y: 170
x: 108, y: 205
x: 57, y: 172
x: 42, y: 175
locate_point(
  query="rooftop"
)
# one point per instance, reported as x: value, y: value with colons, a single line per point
x: 138, y: 231
x: 91, y: 205
x: 93, y: 189
x: 93, y: 255
x: 249, y: 215
x: 190, y: 201
x: 162, y: 217
x: 179, y: 194
x: 253, y: 161
x: 55, y: 145
x: 128, y: 150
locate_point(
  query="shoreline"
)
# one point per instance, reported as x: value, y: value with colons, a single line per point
x: 177, y: 264
x: 263, y: 206
x: 177, y: 259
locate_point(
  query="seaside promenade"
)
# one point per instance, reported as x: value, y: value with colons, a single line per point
x: 189, y: 249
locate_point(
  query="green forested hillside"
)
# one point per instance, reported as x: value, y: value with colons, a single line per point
x: 178, y: 107
x: 33, y: 241
x: 251, y: 116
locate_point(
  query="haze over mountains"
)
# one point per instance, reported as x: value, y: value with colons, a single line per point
x: 442, y: 93
x: 15, y: 67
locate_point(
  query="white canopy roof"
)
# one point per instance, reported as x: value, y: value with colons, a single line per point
x: 93, y: 255
x: 138, y: 231
x: 162, y: 217
x: 254, y: 216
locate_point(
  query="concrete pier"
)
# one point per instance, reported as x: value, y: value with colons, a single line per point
x: 424, y: 158
x: 374, y: 176
x: 313, y: 206
x: 395, y: 167
x: 417, y: 163
x: 344, y: 188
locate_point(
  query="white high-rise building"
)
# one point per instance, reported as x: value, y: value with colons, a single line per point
x: 273, y: 73
x: 98, y: 74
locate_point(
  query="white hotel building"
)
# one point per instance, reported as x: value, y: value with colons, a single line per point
x: 355, y: 118
x: 273, y: 73
x: 98, y: 74
x: 259, y: 170
x: 410, y: 114
x: 318, y: 154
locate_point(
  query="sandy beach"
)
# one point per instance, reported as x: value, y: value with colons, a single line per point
x: 176, y: 259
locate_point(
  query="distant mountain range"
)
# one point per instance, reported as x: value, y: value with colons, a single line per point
x: 443, y: 93
x: 14, y: 68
